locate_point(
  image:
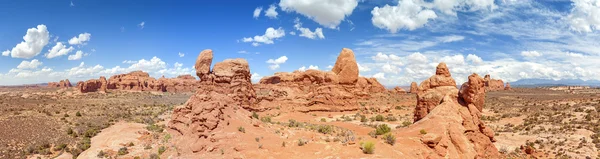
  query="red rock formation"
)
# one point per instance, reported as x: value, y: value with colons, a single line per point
x: 202, y: 65
x: 433, y: 90
x: 414, y: 88
x: 398, y: 90
x: 315, y: 90
x: 493, y: 84
x: 91, y: 85
x: 346, y: 67
x: 103, y: 84
x: 451, y: 119
x: 507, y: 87
x: 62, y: 84
x: 199, y: 124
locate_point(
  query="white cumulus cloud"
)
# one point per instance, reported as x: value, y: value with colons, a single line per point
x: 33, y: 64
x: 257, y: 12
x: 328, y: 13
x: 34, y: 42
x: 6, y: 53
x: 408, y: 14
x: 58, y: 50
x: 271, y: 12
x: 267, y: 38
x: 276, y: 62
x: 474, y: 59
x: 585, y: 15
x: 181, y: 54
x: 81, y: 39
x: 311, y: 67
x: 305, y: 32
x: 77, y: 56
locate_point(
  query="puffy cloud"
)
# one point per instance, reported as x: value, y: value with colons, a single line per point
x: 142, y: 24
x: 292, y: 33
x: 34, y: 42
x: 82, y: 71
x: 474, y: 59
x: 383, y: 57
x: 530, y: 54
x: 58, y: 50
x: 267, y: 38
x: 311, y: 67
x: 255, y: 77
x: 451, y: 38
x: 6, y: 53
x: 454, y: 60
x: 362, y: 68
x: 181, y: 54
x: 388, y: 68
x: 176, y: 70
x: 275, y: 63
x: 330, y: 67
x: 149, y: 65
x: 585, y: 15
x: 305, y: 32
x: 271, y: 12
x: 379, y: 75
x: 77, y: 56
x: 81, y: 39
x: 33, y: 64
x: 328, y: 13
x: 417, y: 57
x: 408, y: 14
x: 257, y: 12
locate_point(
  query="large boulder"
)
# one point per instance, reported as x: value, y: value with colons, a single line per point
x: 346, y: 67
x: 103, y: 84
x: 203, y: 63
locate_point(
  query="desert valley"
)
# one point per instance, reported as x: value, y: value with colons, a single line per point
x: 300, y: 114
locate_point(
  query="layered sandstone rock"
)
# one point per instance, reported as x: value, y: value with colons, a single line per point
x: 91, y: 85
x: 414, y: 88
x: 203, y: 63
x: 62, y: 84
x: 493, y: 84
x: 103, y: 84
x: 199, y: 124
x: 346, y: 67
x: 398, y: 90
x: 433, y: 90
x: 451, y: 119
x: 314, y: 90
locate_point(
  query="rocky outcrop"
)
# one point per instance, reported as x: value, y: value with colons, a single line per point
x: 199, y: 124
x: 493, y: 84
x: 314, y: 90
x: 91, y: 85
x: 433, y: 90
x: 414, y: 88
x: 398, y: 90
x: 451, y: 119
x: 103, y: 84
x: 507, y: 87
x: 62, y: 84
x: 346, y: 67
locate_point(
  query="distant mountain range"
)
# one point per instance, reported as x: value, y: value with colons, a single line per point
x: 549, y: 82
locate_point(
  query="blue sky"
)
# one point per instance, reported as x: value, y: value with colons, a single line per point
x: 395, y: 41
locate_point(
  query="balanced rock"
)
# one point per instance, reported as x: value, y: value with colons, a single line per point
x: 203, y: 63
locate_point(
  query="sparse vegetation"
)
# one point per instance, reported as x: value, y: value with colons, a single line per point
x: 389, y: 139
x: 368, y: 147
x: 242, y: 129
x: 422, y: 131
x: 123, y: 151
x: 382, y: 129
x: 254, y: 115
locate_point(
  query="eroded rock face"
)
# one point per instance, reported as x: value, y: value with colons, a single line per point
x: 62, y: 84
x: 451, y: 118
x: 314, y: 90
x: 199, y: 124
x: 398, y: 90
x: 91, y: 85
x: 493, y: 84
x: 346, y: 67
x: 103, y: 84
x: 507, y: 87
x: 414, y: 88
x: 433, y: 90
